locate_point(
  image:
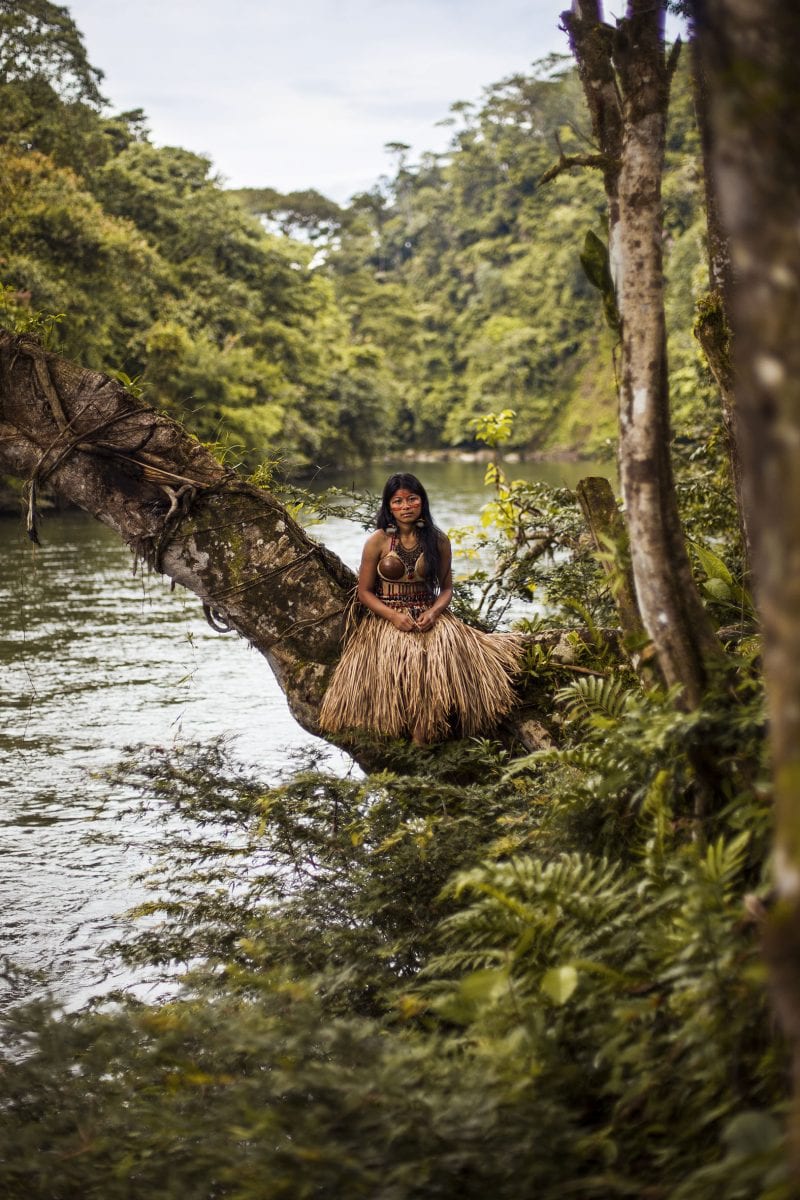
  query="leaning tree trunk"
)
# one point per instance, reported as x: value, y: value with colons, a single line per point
x: 629, y: 122
x: 140, y: 473
x: 752, y: 51
x: 235, y: 546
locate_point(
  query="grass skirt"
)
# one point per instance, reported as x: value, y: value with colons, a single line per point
x: 453, y: 678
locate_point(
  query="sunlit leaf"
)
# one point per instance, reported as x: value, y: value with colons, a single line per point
x: 559, y: 983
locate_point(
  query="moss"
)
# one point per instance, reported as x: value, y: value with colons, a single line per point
x: 237, y: 558
x: 710, y: 320
x: 200, y: 525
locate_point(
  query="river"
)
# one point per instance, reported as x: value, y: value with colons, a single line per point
x: 94, y: 659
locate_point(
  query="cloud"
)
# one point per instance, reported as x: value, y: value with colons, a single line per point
x: 307, y: 94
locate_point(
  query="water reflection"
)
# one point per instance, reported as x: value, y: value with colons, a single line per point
x: 93, y: 660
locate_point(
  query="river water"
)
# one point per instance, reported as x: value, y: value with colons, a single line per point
x: 93, y: 659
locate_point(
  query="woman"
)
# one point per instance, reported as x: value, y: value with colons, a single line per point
x: 410, y: 668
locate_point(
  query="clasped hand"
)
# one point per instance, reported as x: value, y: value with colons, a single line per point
x: 426, y: 620
x: 406, y: 623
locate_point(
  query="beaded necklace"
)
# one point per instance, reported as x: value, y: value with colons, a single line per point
x: 407, y: 557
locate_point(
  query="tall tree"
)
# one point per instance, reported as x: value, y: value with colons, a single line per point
x: 626, y: 75
x: 39, y: 40
x: 750, y: 50
x: 712, y: 326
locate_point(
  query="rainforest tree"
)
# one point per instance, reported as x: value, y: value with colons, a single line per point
x: 475, y: 975
x: 750, y: 53
x: 626, y: 74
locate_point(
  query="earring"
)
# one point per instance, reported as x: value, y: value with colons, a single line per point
x: 420, y: 524
x: 391, y: 529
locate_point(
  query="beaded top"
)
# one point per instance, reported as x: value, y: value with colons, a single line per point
x: 400, y: 564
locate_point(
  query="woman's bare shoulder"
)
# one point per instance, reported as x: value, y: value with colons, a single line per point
x: 375, y: 543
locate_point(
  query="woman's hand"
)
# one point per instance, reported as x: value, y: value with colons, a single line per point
x: 404, y: 621
x: 426, y: 620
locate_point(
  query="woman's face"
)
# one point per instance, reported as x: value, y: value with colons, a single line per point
x: 405, y: 505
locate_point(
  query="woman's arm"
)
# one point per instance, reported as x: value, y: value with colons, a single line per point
x: 367, y: 579
x: 428, y: 618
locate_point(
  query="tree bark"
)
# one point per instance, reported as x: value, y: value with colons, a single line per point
x: 752, y: 51
x: 712, y: 327
x: 234, y: 545
x: 712, y: 330
x: 599, y: 507
x: 625, y: 68
x: 720, y: 275
x: 141, y: 474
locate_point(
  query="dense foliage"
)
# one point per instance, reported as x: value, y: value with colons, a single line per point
x: 463, y: 975
x: 288, y: 325
x: 464, y: 270
x: 469, y: 973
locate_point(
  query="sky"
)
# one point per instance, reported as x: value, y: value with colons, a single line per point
x: 295, y: 94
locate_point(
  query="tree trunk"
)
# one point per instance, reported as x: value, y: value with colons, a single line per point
x: 141, y: 474
x: 712, y: 327
x: 752, y: 51
x: 235, y: 546
x: 720, y: 275
x: 610, y: 536
x: 630, y: 63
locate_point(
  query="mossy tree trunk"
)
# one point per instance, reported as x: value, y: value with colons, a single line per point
x: 234, y: 545
x: 626, y: 78
x: 752, y: 51
x: 610, y: 536
x: 141, y: 474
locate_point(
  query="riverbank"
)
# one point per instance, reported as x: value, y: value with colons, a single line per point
x: 12, y: 502
x: 486, y: 455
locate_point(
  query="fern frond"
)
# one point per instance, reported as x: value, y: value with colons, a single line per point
x: 593, y: 696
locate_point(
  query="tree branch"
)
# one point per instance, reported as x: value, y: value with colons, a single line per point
x: 232, y: 544
x: 567, y: 161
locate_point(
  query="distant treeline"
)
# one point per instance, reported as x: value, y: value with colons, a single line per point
x: 286, y: 326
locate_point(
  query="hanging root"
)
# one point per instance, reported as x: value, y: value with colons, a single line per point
x: 216, y: 620
x: 30, y: 520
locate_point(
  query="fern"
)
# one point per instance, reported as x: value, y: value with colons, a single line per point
x: 593, y: 697
x: 533, y: 916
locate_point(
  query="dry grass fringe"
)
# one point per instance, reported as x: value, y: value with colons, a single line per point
x: 399, y: 684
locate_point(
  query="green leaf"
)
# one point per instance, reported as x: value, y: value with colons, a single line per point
x: 718, y: 589
x: 712, y: 565
x: 594, y: 260
x: 559, y: 983
x: 751, y: 1133
x: 484, y: 987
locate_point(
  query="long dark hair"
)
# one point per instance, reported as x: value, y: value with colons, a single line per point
x: 429, y: 532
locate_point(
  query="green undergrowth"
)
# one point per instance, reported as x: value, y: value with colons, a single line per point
x: 472, y: 972
x: 478, y: 975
